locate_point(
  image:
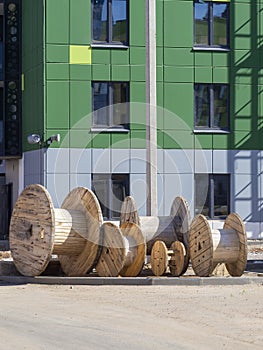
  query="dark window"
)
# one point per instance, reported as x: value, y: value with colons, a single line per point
x: 110, y: 107
x: 111, y: 189
x: 1, y: 42
x: 110, y: 21
x: 212, y: 195
x: 212, y: 106
x: 211, y: 23
x: 1, y: 120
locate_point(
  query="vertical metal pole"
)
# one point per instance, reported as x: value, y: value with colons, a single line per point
x: 151, y: 115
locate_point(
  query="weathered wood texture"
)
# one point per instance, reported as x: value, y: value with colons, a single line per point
x: 165, y: 228
x: 178, y: 256
x: 168, y: 260
x: 85, y: 202
x: 211, y: 247
x: 38, y: 230
x: 123, y: 251
x: 32, y: 231
x: 159, y: 258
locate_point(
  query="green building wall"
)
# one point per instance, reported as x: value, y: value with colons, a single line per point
x: 33, y: 72
x: 57, y: 90
x: 58, y: 94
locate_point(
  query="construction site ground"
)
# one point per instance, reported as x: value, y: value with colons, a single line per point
x: 54, y: 312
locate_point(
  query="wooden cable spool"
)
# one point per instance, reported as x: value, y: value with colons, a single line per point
x: 123, y: 251
x: 162, y: 258
x: 38, y: 230
x: 167, y: 229
x: 209, y: 247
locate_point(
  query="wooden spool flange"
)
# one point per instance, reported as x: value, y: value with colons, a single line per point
x: 162, y: 258
x: 164, y: 228
x: 209, y: 247
x: 123, y: 251
x: 38, y: 230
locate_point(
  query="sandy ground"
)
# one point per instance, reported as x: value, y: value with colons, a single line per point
x: 131, y: 317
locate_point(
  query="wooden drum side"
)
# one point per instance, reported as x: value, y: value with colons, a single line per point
x: 180, y: 214
x: 32, y: 231
x: 85, y: 201
x: 234, y: 222
x: 112, y: 256
x: 159, y: 258
x: 201, y: 246
x: 129, y: 212
x: 134, y: 231
x: 178, y: 256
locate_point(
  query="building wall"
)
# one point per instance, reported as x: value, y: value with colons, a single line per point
x: 63, y: 103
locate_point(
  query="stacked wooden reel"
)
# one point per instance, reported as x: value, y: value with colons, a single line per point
x: 173, y: 258
x: 77, y: 235
x: 210, y: 247
x: 38, y: 230
x: 166, y: 237
x: 123, y: 251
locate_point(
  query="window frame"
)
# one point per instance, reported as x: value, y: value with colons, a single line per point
x: 211, y: 194
x: 211, y: 127
x: 109, y: 43
x: 210, y: 45
x: 109, y: 180
x: 110, y: 97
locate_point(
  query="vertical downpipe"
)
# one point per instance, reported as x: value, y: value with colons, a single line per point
x: 151, y: 115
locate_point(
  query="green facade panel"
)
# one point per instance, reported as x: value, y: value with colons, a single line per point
x: 57, y: 21
x: 79, y: 14
x: 80, y: 105
x: 33, y: 70
x: 178, y: 17
x: 57, y: 71
x: 59, y: 93
x: 137, y: 15
x: 57, y: 53
x: 80, y: 72
x: 57, y: 101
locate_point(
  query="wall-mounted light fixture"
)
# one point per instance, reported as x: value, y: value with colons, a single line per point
x: 34, y: 139
x: 53, y: 138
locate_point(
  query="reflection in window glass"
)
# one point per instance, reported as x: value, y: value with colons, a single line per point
x: 212, y: 106
x: 220, y: 17
x: 119, y: 188
x: 100, y: 20
x: 201, y: 23
x: 119, y: 20
x: 221, y: 195
x: 110, y: 107
x: 212, y: 195
x: 211, y: 23
x: 202, y: 105
x: 100, y: 186
x: 120, y: 107
x: 202, y: 194
x: 110, y: 189
x: 100, y: 102
x: 220, y: 117
x: 110, y: 21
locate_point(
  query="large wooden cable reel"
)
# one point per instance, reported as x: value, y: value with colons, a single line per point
x: 168, y: 260
x: 84, y: 200
x: 123, y: 251
x: 38, y: 230
x: 210, y: 247
x: 167, y: 229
